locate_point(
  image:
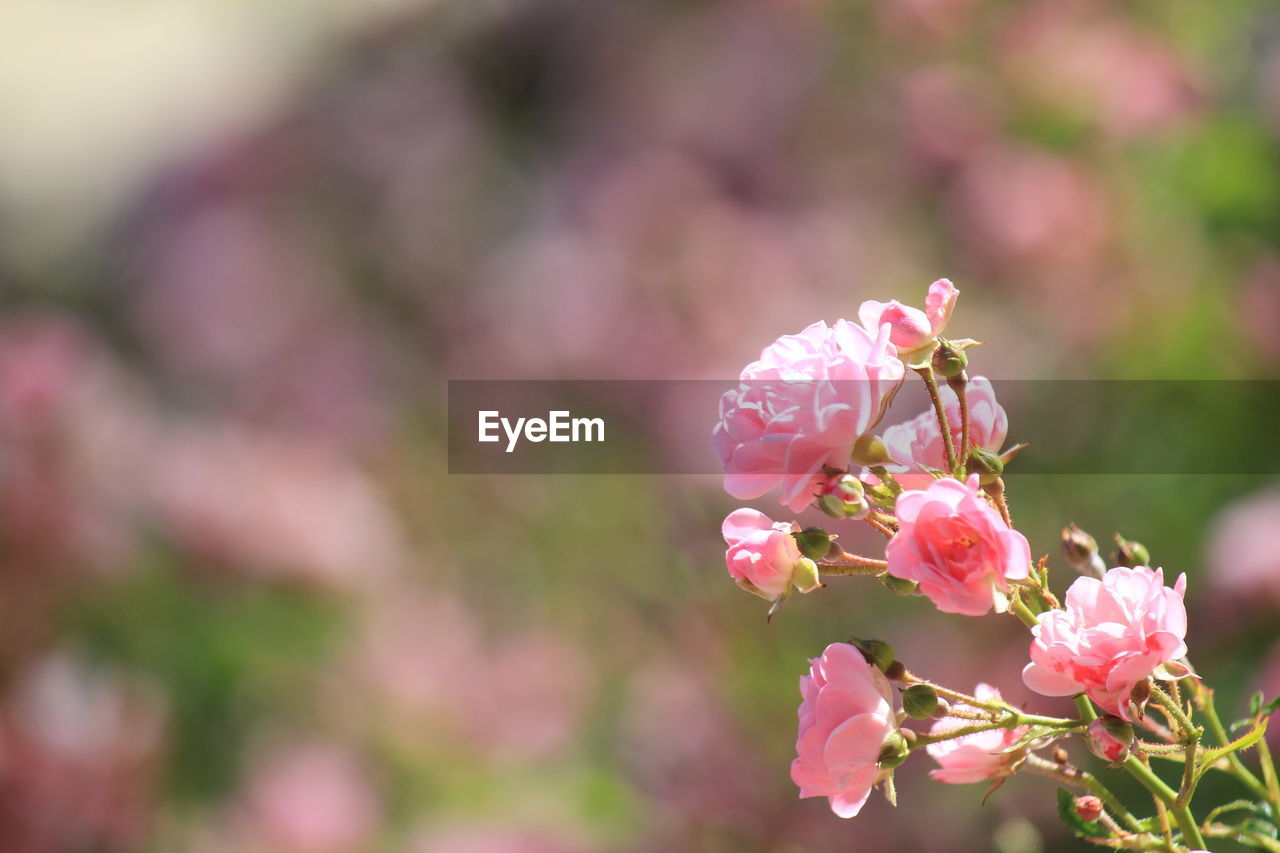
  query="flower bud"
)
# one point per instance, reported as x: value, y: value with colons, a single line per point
x: 894, y: 751
x: 949, y: 360
x: 877, y: 652
x: 1131, y: 553
x: 814, y: 542
x: 987, y: 465
x: 895, y: 671
x: 870, y: 450
x: 1081, y: 552
x: 844, y: 496
x: 920, y: 701
x: 898, y: 586
x: 1088, y: 807
x: 805, y: 575
x: 1110, y: 738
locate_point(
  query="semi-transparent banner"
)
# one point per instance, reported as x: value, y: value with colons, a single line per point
x: 665, y: 426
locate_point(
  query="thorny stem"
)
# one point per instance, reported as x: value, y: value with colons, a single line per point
x: 1138, y: 769
x: 962, y: 392
x: 1011, y: 716
x: 1073, y: 776
x: 931, y: 382
x: 1204, y: 700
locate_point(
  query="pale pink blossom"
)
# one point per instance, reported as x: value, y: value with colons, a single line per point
x: 846, y: 718
x: 763, y: 557
x: 957, y: 547
x: 803, y: 405
x: 1113, y: 634
x: 917, y: 444
x: 975, y: 757
x: 912, y: 330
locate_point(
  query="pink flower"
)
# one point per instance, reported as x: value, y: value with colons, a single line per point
x: 975, y: 757
x: 918, y: 442
x: 803, y: 405
x: 913, y: 330
x: 846, y: 718
x: 763, y: 556
x: 957, y: 548
x: 1113, y: 635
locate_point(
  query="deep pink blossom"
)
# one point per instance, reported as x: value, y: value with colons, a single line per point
x: 1113, y: 634
x: 846, y: 718
x: 803, y: 405
x: 957, y: 547
x: 975, y: 757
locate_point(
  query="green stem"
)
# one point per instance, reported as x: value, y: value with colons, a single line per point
x: 931, y: 382
x: 1220, y: 734
x: 1077, y: 778
x: 1022, y: 612
x: 1085, y: 707
x: 962, y: 392
x: 1153, y: 783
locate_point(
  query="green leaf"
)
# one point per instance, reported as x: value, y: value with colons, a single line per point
x: 1067, y: 813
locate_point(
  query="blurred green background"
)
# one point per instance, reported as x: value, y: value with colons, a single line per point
x: 243, y: 607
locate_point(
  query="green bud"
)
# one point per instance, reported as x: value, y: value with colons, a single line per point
x: 987, y: 465
x: 949, y: 360
x: 870, y: 450
x: 920, y: 701
x: 814, y: 542
x: 898, y: 586
x: 805, y: 575
x: 894, y: 751
x: 1131, y: 553
x: 878, y: 653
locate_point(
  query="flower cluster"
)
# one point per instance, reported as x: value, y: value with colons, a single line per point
x: 803, y: 418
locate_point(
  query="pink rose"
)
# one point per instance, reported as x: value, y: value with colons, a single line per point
x: 975, y: 757
x: 1114, y: 634
x: 846, y: 720
x: 763, y: 556
x: 957, y: 548
x: 918, y: 442
x: 913, y: 330
x: 802, y: 406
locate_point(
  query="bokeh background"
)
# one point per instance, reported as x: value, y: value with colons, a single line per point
x: 243, y: 607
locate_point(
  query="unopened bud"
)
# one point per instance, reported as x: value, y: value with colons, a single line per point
x: 1110, y: 738
x: 920, y: 701
x: 949, y: 360
x: 1131, y: 553
x: 895, y: 671
x: 814, y: 542
x: 844, y: 496
x: 1081, y: 552
x: 878, y: 653
x: 894, y: 751
x: 804, y: 575
x: 870, y: 450
x: 987, y: 465
x: 898, y: 586
x: 1088, y: 807
x: 1059, y: 755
